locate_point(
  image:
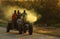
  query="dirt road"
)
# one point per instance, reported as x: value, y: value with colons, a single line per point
x: 15, y: 35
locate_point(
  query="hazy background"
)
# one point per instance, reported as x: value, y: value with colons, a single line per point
x: 44, y: 12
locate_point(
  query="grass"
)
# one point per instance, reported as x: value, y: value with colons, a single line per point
x: 3, y: 23
x: 48, y: 31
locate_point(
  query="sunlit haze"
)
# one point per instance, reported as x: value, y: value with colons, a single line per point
x: 31, y: 15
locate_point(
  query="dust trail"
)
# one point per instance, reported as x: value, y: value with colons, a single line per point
x: 31, y: 14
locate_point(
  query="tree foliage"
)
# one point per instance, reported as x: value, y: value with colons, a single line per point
x: 49, y: 9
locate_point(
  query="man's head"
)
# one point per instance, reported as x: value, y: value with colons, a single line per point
x: 18, y: 12
x: 24, y: 11
x: 15, y: 11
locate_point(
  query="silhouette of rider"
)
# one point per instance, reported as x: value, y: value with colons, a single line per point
x: 14, y: 19
x: 24, y: 14
x: 18, y: 14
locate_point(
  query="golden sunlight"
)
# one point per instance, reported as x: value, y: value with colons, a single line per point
x: 31, y: 15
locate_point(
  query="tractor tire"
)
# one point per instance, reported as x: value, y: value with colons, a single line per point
x: 24, y: 29
x: 8, y: 27
x: 30, y: 30
x: 20, y: 29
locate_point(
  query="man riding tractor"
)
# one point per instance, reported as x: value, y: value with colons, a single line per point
x: 12, y: 24
x: 20, y: 24
x: 27, y: 26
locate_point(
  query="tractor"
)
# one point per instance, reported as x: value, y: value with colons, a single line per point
x: 23, y: 28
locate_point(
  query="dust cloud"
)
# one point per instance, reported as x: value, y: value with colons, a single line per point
x: 31, y: 14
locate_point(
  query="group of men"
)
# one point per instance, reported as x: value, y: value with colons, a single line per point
x: 19, y: 23
x: 18, y: 18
